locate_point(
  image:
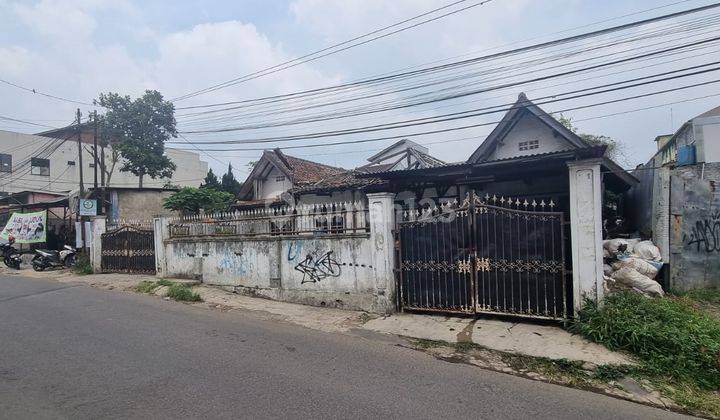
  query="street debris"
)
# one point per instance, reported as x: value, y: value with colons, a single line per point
x: 632, y: 264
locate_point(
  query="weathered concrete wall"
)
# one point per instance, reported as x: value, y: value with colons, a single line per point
x: 352, y: 271
x: 695, y: 226
x: 141, y: 205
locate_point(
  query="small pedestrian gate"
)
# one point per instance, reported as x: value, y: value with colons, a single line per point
x: 128, y: 249
x: 480, y: 258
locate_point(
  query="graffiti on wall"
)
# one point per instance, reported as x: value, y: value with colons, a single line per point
x: 705, y: 235
x: 316, y: 268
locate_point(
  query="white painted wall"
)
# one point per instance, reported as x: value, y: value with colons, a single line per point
x: 707, y: 134
x: 276, y: 267
x: 63, y: 177
x: 527, y: 129
x: 586, y: 231
x: 270, y: 187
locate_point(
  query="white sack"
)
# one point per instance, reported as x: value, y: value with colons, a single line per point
x: 647, y: 250
x: 632, y: 278
x: 607, y: 270
x: 638, y: 264
x: 613, y: 245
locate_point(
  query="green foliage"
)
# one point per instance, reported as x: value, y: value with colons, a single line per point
x: 146, y: 286
x: 191, y: 200
x: 139, y: 129
x: 229, y: 184
x: 211, y: 181
x: 607, y: 373
x: 614, y: 149
x: 183, y: 293
x: 669, y: 336
x: 165, y: 282
x: 82, y: 265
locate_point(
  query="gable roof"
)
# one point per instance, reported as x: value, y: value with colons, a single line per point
x: 523, y: 106
x: 711, y: 113
x: 404, y: 142
x: 422, y: 159
x: 300, y: 172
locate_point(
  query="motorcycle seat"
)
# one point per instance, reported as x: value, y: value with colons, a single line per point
x: 47, y: 252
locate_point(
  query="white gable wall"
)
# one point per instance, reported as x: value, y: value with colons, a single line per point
x: 270, y: 187
x: 527, y: 129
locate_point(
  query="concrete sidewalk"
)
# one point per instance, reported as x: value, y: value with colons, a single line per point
x: 512, y: 337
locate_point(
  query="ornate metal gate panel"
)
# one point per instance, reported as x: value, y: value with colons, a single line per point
x: 482, y: 258
x: 128, y: 249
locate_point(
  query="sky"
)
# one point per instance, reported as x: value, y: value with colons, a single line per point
x: 77, y: 49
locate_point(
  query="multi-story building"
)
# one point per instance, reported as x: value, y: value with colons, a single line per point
x: 49, y: 161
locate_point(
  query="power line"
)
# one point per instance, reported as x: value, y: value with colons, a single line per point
x: 471, y: 125
x: 309, y: 57
x: 47, y: 95
x: 458, y: 115
x: 490, y: 56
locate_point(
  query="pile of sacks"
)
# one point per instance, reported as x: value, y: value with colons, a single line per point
x: 632, y: 264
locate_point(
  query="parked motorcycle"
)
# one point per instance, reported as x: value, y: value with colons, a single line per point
x: 11, y: 257
x: 45, y: 258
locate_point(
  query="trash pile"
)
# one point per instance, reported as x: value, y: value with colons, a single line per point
x: 632, y: 264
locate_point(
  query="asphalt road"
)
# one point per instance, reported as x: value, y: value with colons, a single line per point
x: 78, y: 352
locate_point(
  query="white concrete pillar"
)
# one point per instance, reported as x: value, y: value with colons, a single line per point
x: 161, y: 232
x: 98, y: 225
x: 586, y: 230
x: 382, y: 222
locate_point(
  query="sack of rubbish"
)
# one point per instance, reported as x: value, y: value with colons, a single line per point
x: 638, y: 264
x: 615, y: 246
x: 647, y: 251
x: 607, y: 270
x: 644, y: 284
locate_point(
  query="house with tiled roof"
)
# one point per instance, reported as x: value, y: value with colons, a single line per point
x: 405, y: 154
x: 280, y: 178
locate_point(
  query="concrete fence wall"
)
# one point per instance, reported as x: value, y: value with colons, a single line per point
x: 347, y: 270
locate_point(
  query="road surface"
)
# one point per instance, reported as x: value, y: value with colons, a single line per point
x: 77, y: 352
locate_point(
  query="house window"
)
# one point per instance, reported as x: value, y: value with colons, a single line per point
x: 279, y: 178
x: 40, y: 166
x: 5, y: 162
x: 529, y: 145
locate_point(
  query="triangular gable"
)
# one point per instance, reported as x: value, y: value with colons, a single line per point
x: 522, y: 108
x: 268, y: 158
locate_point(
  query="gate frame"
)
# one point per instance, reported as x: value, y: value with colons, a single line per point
x: 469, y: 205
x: 128, y: 251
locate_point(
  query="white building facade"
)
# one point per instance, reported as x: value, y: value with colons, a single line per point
x: 34, y: 162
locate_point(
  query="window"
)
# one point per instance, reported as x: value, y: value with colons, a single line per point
x: 279, y: 178
x: 5, y: 162
x: 40, y: 166
x: 529, y: 145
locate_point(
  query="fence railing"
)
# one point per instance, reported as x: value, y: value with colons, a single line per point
x: 145, y: 224
x: 303, y: 220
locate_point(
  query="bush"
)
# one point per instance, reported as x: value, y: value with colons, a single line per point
x: 146, y: 286
x: 82, y: 265
x: 670, y: 337
x: 183, y: 293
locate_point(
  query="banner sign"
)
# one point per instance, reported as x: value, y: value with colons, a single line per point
x: 27, y: 228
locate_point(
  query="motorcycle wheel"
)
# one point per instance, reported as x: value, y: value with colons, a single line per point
x: 37, y: 266
x: 70, y: 261
x: 14, y: 264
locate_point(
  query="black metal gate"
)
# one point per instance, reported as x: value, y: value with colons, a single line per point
x: 128, y: 249
x: 504, y: 258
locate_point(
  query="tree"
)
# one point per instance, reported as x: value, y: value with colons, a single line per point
x: 139, y: 129
x: 229, y: 183
x: 614, y: 149
x: 211, y: 181
x: 191, y: 200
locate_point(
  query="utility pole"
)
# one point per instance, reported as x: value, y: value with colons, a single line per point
x: 95, y: 152
x: 79, y: 142
x: 82, y: 186
x: 102, y: 170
